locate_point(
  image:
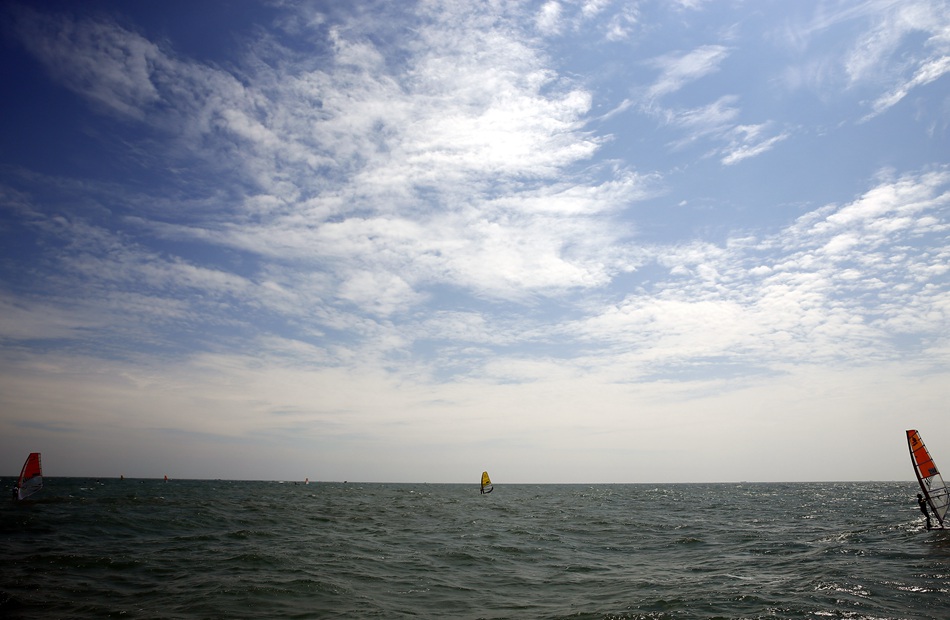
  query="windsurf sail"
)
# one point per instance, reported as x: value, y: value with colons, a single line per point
x: 31, y: 476
x: 486, y: 483
x: 931, y: 482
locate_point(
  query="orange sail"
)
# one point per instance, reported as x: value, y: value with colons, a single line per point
x: 931, y: 482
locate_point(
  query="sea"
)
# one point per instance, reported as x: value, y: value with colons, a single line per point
x: 110, y: 548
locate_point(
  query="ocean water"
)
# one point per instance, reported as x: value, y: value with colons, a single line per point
x: 227, y: 549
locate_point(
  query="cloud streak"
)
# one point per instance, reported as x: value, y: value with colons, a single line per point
x: 678, y: 70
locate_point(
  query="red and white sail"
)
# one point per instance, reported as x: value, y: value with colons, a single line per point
x: 31, y: 476
x: 931, y: 482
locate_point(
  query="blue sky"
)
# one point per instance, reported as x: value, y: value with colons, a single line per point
x: 563, y: 241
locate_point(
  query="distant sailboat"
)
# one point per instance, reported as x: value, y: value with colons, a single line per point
x: 931, y: 482
x: 31, y: 476
x: 486, y: 483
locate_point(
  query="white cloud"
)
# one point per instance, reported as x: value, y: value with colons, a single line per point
x: 549, y: 17
x: 929, y: 71
x: 621, y: 24
x: 96, y: 60
x: 712, y: 121
x: 691, y: 5
x: 25, y: 320
x: 717, y: 122
x: 879, y: 58
x: 838, y: 284
x: 890, y: 27
x: 747, y: 141
x: 677, y: 70
x: 378, y: 293
x: 591, y: 8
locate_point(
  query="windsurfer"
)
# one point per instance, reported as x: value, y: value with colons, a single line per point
x: 16, y: 492
x: 923, y: 508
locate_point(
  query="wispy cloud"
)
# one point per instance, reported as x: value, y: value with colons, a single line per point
x: 876, y: 58
x: 748, y: 141
x: 677, y: 70
x: 716, y: 121
x: 117, y: 74
x: 929, y: 71
x: 710, y: 121
x: 554, y: 18
x: 833, y: 286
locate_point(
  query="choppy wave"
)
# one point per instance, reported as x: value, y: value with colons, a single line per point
x: 220, y: 549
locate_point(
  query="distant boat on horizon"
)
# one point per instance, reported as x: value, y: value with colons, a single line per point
x: 486, y: 484
x: 31, y: 477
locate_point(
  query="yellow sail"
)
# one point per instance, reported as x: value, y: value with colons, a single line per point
x: 486, y: 483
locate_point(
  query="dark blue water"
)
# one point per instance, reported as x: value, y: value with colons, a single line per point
x: 221, y: 549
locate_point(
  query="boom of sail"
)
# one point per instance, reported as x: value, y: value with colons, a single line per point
x: 31, y: 476
x: 486, y: 483
x: 931, y: 482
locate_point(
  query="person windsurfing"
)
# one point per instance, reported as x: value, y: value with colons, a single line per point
x: 923, y: 508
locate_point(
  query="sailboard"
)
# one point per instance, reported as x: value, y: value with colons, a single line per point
x: 486, y: 483
x: 931, y: 482
x: 31, y: 476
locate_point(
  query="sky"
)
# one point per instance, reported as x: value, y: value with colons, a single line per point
x: 562, y: 241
